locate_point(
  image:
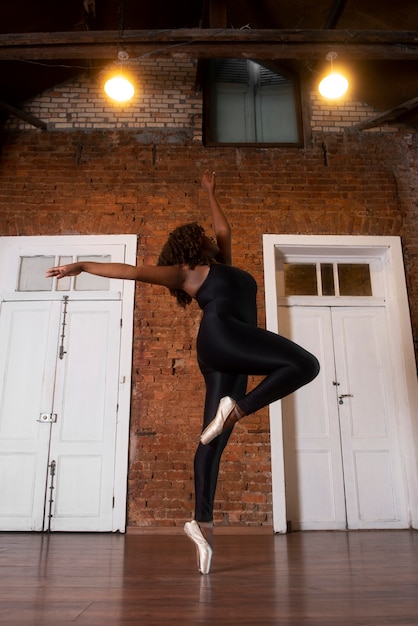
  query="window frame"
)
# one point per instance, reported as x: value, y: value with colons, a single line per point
x: 207, y: 131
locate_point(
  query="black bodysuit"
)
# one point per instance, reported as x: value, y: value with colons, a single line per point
x: 230, y: 347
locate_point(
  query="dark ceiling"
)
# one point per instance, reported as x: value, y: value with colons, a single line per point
x: 385, y: 70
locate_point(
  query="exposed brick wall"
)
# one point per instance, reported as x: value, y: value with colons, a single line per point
x: 105, y: 180
x: 166, y: 98
x: 341, y: 115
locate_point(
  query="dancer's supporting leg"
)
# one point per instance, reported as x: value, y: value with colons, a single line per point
x: 206, y: 465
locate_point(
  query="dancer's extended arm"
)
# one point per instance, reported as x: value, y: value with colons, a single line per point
x: 172, y: 277
x: 219, y: 220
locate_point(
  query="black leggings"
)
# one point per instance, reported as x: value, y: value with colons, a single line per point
x: 228, y: 351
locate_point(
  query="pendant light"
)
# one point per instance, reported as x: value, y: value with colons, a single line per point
x: 334, y: 85
x: 118, y: 87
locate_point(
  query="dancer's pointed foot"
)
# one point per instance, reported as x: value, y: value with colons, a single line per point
x: 227, y: 415
x: 204, y: 550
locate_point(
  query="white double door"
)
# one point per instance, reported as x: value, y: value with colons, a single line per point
x: 342, y: 458
x: 59, y: 364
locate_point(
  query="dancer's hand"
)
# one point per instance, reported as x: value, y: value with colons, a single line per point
x: 209, y: 181
x: 72, y: 269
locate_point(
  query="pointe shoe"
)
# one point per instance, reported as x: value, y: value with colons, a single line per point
x: 216, y: 427
x: 204, y: 550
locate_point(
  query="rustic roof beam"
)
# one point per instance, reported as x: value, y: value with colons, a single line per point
x: 386, y: 117
x: 26, y: 117
x: 334, y: 14
x: 213, y: 43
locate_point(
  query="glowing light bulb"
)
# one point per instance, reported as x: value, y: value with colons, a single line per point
x: 333, y: 86
x: 119, y: 88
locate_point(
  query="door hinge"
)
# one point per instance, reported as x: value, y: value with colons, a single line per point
x: 113, y: 502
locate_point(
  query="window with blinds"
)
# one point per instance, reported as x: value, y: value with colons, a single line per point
x: 250, y: 103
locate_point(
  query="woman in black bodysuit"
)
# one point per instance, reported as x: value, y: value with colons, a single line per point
x: 230, y: 346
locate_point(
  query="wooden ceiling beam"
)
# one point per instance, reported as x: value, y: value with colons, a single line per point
x: 213, y: 43
x: 26, y: 117
x: 386, y: 117
x: 334, y: 14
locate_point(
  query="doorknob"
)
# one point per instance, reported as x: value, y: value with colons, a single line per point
x: 344, y: 395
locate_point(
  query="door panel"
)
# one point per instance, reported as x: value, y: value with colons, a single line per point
x: 313, y: 464
x: 28, y: 352
x: 85, y: 400
x: 342, y: 460
x: 81, y: 389
x: 372, y: 465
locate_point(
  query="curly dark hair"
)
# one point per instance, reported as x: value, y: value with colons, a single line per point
x: 184, y: 247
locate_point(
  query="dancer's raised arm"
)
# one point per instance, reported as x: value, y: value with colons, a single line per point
x: 219, y: 220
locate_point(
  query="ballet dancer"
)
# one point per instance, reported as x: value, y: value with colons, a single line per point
x: 230, y: 345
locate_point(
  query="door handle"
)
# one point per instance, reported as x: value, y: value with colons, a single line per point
x: 344, y: 395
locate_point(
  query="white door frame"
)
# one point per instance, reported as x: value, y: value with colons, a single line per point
x: 392, y: 287
x: 121, y: 248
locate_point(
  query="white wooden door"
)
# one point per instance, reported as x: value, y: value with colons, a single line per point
x: 374, y: 481
x: 82, y: 448
x: 342, y: 460
x: 63, y: 357
x: 28, y: 353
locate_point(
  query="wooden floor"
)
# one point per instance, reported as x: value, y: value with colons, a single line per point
x: 315, y: 578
